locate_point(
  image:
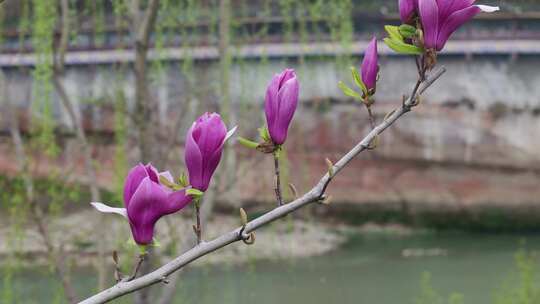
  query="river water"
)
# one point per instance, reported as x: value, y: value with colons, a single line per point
x: 371, y: 269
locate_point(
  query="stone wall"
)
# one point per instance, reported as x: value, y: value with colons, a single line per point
x: 473, y: 145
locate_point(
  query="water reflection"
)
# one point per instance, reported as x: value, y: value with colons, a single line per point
x: 368, y: 269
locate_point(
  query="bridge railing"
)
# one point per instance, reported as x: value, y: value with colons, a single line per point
x: 248, y: 30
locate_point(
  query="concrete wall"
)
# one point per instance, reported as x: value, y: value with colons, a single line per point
x: 474, y: 141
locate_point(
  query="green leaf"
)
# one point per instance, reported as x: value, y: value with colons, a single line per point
x: 393, y: 32
x: 402, y: 47
x: 407, y: 31
x: 155, y: 243
x: 358, y: 80
x: 264, y: 134
x: 196, y: 193
x: 163, y: 180
x: 348, y: 91
x: 183, y: 180
x: 247, y: 143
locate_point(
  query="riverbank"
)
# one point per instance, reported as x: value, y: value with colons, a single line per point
x: 80, y: 236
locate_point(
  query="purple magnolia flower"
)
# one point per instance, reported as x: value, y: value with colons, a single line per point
x: 370, y: 66
x: 204, y: 144
x: 408, y: 9
x: 146, y: 200
x: 280, y: 104
x: 441, y: 18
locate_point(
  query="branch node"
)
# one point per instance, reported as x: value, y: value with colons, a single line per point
x: 293, y: 190
x: 330, y: 166
x: 374, y: 143
x: 137, y: 267
x: 325, y: 200
x: 389, y: 114
x: 248, y: 239
x: 117, y: 272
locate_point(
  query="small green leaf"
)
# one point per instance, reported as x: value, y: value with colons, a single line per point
x: 142, y: 249
x: 348, y: 91
x: 247, y: 143
x: 393, y: 32
x: 264, y: 134
x: 164, y: 181
x: 196, y: 193
x: 407, y: 31
x: 183, y: 180
x: 358, y: 80
x: 155, y: 243
x: 402, y: 47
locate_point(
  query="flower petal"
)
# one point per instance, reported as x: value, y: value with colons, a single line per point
x: 230, y: 133
x: 193, y: 159
x: 429, y: 15
x: 213, y: 132
x: 147, y: 205
x: 370, y: 65
x: 167, y: 175
x: 453, y: 22
x: 448, y: 7
x: 177, y: 200
x: 407, y: 9
x: 271, y: 100
x: 211, y: 163
x: 488, y: 9
x: 288, y: 101
x: 106, y: 209
x: 133, y: 179
x: 152, y: 172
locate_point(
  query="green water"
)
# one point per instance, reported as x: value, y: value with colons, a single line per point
x: 368, y: 269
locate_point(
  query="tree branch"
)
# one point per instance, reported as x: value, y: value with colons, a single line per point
x: 148, y: 22
x: 59, y: 61
x: 316, y: 194
x: 143, y: 117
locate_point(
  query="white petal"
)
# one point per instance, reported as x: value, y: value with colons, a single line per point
x: 106, y: 209
x: 230, y: 133
x: 487, y: 8
x: 167, y: 175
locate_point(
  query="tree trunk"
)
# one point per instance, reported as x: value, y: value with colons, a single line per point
x: 145, y: 116
x: 228, y: 110
x: 90, y: 171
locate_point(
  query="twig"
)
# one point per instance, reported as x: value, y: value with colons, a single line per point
x: 197, y: 228
x: 313, y: 196
x: 371, y: 118
x: 277, y: 188
x: 137, y: 266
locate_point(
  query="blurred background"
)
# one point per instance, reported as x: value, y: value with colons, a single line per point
x: 445, y: 210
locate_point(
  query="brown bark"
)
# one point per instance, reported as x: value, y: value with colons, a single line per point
x: 145, y: 114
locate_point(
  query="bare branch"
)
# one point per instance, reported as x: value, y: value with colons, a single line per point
x: 316, y: 194
x: 64, y: 37
x: 143, y: 116
x: 144, y: 29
